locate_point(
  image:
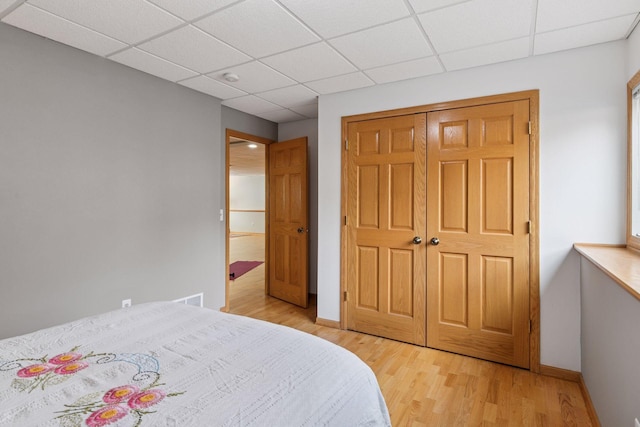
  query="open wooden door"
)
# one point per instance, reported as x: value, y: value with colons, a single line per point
x: 386, y: 227
x: 478, y: 231
x: 288, y: 221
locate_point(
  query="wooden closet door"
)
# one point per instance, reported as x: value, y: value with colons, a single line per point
x: 385, y: 212
x: 478, y: 210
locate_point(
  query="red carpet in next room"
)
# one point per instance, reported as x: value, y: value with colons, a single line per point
x: 238, y: 268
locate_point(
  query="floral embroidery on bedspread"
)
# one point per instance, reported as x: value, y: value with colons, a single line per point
x: 100, y: 408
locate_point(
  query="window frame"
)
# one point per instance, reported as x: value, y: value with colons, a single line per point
x: 631, y: 241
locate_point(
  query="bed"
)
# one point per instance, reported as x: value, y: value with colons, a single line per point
x: 169, y: 364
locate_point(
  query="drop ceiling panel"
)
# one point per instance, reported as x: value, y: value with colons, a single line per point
x: 55, y: 28
x: 405, y: 70
x: 490, y: 54
x: 192, y: 48
x: 143, y: 61
x: 251, y: 104
x: 4, y: 5
x: 477, y: 23
x: 258, y: 28
x: 281, y: 116
x: 211, y: 87
x: 554, y: 14
x: 387, y: 44
x: 308, y: 63
x: 420, y: 6
x: 341, y: 83
x: 288, y: 96
x: 254, y: 77
x: 192, y: 9
x: 130, y: 21
x: 583, y: 35
x: 332, y: 18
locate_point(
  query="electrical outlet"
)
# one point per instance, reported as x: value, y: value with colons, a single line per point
x: 637, y: 423
x: 126, y: 303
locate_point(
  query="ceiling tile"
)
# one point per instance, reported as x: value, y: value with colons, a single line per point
x: 254, y: 77
x: 130, y: 21
x: 341, y: 83
x: 251, y: 104
x: 583, y: 35
x: 554, y: 14
x: 258, y: 28
x: 494, y: 53
x: 192, y: 9
x: 281, y: 116
x: 5, y: 4
x: 288, y: 96
x: 52, y: 27
x: 387, y: 44
x: 331, y: 18
x: 420, y: 6
x: 307, y: 63
x: 405, y: 70
x: 194, y: 49
x: 143, y: 61
x: 209, y: 86
x: 477, y: 23
x: 309, y: 110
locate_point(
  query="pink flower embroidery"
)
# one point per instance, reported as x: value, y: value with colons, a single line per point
x: 118, y: 394
x: 70, y: 368
x: 144, y: 399
x: 64, y: 358
x: 106, y: 415
x: 35, y: 370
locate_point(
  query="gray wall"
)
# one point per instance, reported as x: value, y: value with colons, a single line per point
x: 610, y: 347
x: 308, y: 128
x: 109, y: 186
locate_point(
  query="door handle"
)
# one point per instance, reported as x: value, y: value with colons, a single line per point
x: 417, y: 240
x: 300, y: 230
x: 434, y: 241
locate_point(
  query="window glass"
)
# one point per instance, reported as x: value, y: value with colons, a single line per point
x: 635, y: 162
x: 633, y: 180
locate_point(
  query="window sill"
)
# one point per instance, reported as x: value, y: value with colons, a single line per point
x: 616, y: 261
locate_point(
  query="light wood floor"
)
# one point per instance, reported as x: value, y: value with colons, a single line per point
x: 422, y: 386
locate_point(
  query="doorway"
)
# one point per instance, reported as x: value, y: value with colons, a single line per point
x: 445, y: 241
x: 247, y: 211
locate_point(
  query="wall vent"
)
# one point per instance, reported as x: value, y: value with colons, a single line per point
x: 197, y: 300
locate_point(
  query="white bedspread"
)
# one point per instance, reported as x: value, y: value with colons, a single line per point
x: 168, y: 364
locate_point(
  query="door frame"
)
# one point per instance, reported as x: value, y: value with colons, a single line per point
x: 533, y: 96
x: 230, y: 133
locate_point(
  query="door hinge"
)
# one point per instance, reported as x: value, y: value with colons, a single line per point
x: 530, y: 126
x: 528, y: 227
x: 529, y: 326
x: 346, y: 296
x: 346, y: 144
x: 345, y: 220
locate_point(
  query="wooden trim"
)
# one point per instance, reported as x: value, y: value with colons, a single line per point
x: 247, y: 210
x: 533, y: 96
x: 588, y: 403
x: 328, y: 323
x: 560, y: 373
x: 566, y: 374
x: 344, y: 182
x: 631, y: 240
x: 534, y: 236
x: 620, y: 263
x: 229, y: 133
